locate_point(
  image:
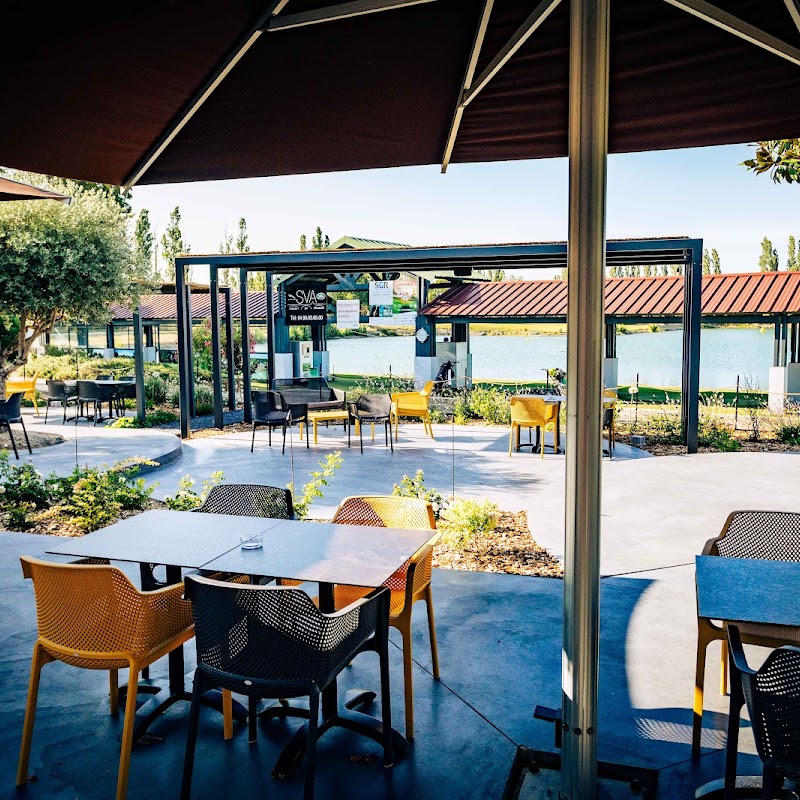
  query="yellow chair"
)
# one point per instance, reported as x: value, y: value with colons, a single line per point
x: 532, y: 412
x: 412, y: 582
x: 413, y: 404
x: 771, y: 535
x: 93, y: 617
x: 609, y: 417
x: 27, y: 385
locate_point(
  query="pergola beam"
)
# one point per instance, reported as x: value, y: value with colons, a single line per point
x: 523, y: 33
x: 477, y: 44
x: 355, y: 8
x: 212, y: 81
x: 738, y: 27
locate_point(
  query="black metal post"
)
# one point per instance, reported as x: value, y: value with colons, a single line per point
x: 138, y: 362
x: 785, y: 343
x: 611, y: 340
x: 183, y: 345
x: 216, y: 354
x: 231, y: 362
x: 190, y: 349
x: 247, y: 403
x: 270, y: 335
x: 109, y: 336
x: 776, y: 347
x: 690, y: 383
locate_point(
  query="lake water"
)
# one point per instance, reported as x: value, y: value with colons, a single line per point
x: 656, y: 357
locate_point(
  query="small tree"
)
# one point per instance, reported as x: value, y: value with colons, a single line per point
x: 706, y: 262
x: 58, y: 263
x: 716, y: 267
x: 320, y: 242
x: 143, y: 240
x: 779, y: 158
x: 303, y: 245
x: 172, y: 243
x: 768, y: 260
x: 791, y: 262
x: 241, y: 239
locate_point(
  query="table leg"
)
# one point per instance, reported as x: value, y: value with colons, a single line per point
x: 314, y: 423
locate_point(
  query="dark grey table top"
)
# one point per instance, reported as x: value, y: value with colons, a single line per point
x: 748, y: 590
x: 357, y: 555
x: 176, y: 538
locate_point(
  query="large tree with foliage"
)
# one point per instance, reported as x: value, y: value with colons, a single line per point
x: 143, y: 241
x: 792, y: 263
x: 768, y: 260
x: 58, y: 263
x: 779, y: 158
x: 172, y: 243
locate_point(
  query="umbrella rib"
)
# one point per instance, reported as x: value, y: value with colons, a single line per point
x: 354, y: 8
x: 477, y: 44
x: 793, y: 6
x: 738, y: 27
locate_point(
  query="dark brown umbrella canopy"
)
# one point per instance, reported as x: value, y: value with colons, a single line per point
x: 14, y: 190
x: 371, y: 91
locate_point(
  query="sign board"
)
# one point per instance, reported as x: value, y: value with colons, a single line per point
x: 306, y: 304
x: 381, y: 293
x: 348, y: 314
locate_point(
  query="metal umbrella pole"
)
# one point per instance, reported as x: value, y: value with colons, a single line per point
x: 586, y: 251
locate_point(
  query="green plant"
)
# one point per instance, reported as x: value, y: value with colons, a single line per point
x: 786, y: 426
x: 753, y: 402
x: 186, y: 498
x: 203, y: 399
x: 653, y: 327
x: 161, y: 417
x: 127, y: 422
x: 382, y: 384
x: 21, y: 484
x: 714, y: 432
x: 465, y: 523
x: 490, y: 404
x: 156, y: 390
x: 313, y: 488
x: 461, y: 411
x: 437, y: 415
x: 415, y: 487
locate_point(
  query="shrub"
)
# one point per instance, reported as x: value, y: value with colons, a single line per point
x: 186, y: 498
x: 465, y: 522
x: 490, y: 404
x: 415, y: 487
x: 382, y: 384
x: 154, y: 419
x: 203, y: 399
x: 786, y: 427
x: 713, y: 432
x: 313, y: 488
x: 156, y: 390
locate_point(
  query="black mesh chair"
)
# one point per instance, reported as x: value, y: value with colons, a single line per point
x: 273, y: 642
x: 269, y: 411
x: 772, y: 694
x: 125, y: 392
x: 92, y: 395
x: 298, y: 413
x: 249, y: 500
x: 371, y: 409
x: 10, y: 411
x: 60, y: 392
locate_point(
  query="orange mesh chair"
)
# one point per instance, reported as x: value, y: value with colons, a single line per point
x: 93, y: 617
x: 413, y: 404
x: 412, y: 582
x: 771, y: 535
x: 531, y: 412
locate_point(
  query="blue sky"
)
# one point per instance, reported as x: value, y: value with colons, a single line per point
x: 699, y: 192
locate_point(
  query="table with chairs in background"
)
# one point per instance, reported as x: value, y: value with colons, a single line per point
x: 312, y: 596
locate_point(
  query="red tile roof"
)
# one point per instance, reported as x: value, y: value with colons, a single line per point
x: 163, y: 307
x: 764, y: 293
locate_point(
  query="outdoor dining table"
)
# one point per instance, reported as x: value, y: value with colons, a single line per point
x: 744, y: 590
x: 323, y: 553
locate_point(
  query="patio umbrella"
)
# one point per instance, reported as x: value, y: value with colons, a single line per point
x: 14, y: 190
x: 298, y: 86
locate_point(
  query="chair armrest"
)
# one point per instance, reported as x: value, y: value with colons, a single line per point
x: 162, y: 614
x: 419, y: 571
x: 340, y: 395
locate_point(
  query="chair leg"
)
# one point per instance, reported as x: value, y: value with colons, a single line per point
x: 191, y: 738
x: 432, y: 631
x: 252, y: 720
x: 723, y: 668
x: 361, y: 437
x: 127, y: 734
x: 349, y: 429
x: 396, y: 427
x: 391, y: 443
x: 46, y: 409
x: 304, y: 425
x: 25, y: 432
x: 311, y: 745
x: 703, y: 639
x: 773, y: 783
x: 283, y: 449
x: 113, y: 691
x: 386, y: 700
x: 511, y: 441
x: 408, y: 677
x: 40, y: 658
x: 253, y: 440
x: 227, y: 715
x: 13, y: 443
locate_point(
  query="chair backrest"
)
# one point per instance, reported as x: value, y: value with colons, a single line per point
x: 772, y: 535
x: 127, y: 378
x: 56, y: 390
x: 386, y: 511
x: 249, y: 500
x: 10, y: 407
x: 297, y: 410
x: 266, y: 403
x: 529, y: 410
x: 772, y: 694
x: 273, y: 634
x: 102, y: 377
x: 88, y: 390
x: 376, y: 405
x: 428, y: 388
x: 84, y: 608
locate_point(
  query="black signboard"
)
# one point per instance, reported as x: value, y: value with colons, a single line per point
x: 306, y: 304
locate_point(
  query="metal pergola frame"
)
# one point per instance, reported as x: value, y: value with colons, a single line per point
x: 684, y: 252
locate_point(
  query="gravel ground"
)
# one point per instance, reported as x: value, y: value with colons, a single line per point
x: 37, y: 440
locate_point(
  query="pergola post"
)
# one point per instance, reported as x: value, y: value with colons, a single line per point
x: 586, y: 254
x: 247, y: 404
x: 184, y: 368
x: 690, y: 378
x: 231, y: 362
x: 270, y: 334
x: 216, y: 350
x: 138, y: 362
x: 190, y: 348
